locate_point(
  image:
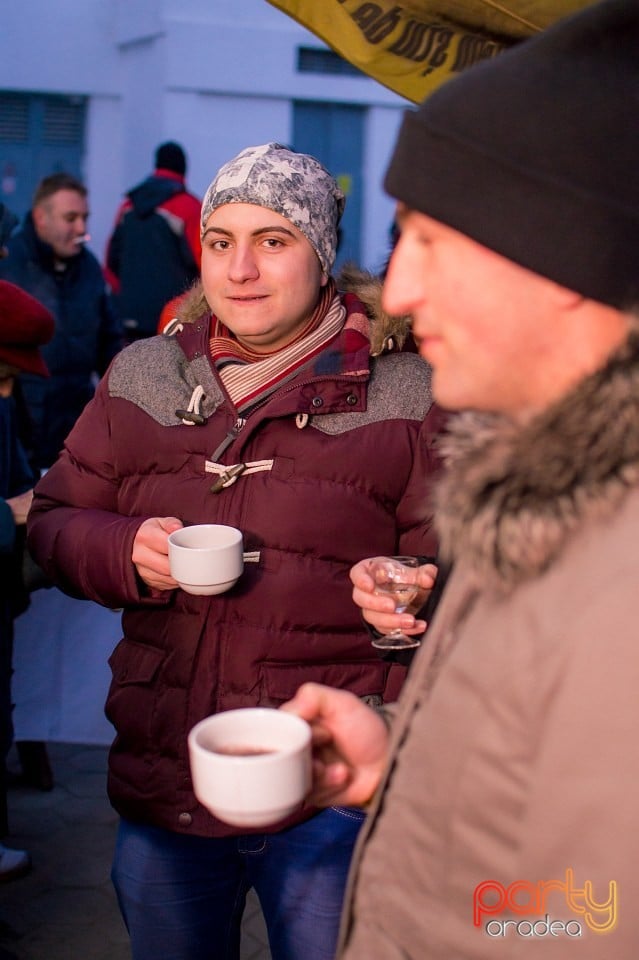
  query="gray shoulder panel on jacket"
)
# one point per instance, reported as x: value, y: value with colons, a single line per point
x: 155, y: 375
x: 399, y: 389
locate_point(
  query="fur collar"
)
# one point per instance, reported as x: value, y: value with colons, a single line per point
x: 386, y: 333
x: 511, y: 496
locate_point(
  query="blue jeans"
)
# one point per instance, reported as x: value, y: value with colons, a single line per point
x: 182, y: 897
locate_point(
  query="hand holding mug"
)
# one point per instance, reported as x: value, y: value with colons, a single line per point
x: 350, y: 744
x: 150, y: 553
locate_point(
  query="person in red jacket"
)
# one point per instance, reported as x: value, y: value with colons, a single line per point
x: 171, y: 311
x: 154, y: 252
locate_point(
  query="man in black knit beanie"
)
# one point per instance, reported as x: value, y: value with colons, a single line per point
x: 503, y: 790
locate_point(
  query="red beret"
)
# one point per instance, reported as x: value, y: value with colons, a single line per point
x: 25, y: 324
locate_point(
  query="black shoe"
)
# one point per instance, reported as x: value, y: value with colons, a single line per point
x: 34, y: 760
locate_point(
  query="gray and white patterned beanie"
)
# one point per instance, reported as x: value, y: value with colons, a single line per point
x: 295, y: 185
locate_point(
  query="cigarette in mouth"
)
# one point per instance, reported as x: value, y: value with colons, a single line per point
x: 83, y: 239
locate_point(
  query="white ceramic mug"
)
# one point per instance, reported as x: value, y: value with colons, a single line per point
x: 206, y: 558
x: 251, y: 767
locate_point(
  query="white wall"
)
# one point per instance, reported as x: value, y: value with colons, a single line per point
x: 215, y: 75
x: 214, y: 127
x: 61, y: 47
x: 103, y: 167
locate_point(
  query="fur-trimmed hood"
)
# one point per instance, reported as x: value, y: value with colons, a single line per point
x: 511, y: 496
x: 386, y: 333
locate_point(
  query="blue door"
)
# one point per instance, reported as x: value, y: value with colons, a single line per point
x: 334, y: 134
x: 39, y: 134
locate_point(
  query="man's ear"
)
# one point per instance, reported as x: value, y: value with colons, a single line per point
x: 324, y: 280
x: 38, y: 214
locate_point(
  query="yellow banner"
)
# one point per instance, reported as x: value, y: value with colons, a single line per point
x: 412, y: 47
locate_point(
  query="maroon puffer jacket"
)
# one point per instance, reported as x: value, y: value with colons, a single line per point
x: 338, y: 463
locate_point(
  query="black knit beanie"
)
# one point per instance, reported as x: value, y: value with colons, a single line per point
x: 170, y: 156
x: 535, y: 154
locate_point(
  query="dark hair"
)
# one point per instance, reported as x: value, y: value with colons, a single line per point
x: 170, y: 156
x: 54, y: 183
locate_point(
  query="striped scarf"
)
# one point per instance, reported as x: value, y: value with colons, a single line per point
x: 250, y: 377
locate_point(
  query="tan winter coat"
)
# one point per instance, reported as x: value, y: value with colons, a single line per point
x: 516, y: 754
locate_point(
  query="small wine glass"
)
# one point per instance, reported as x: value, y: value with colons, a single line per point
x: 393, y: 579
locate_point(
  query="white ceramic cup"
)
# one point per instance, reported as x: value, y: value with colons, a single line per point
x: 256, y: 788
x: 206, y: 558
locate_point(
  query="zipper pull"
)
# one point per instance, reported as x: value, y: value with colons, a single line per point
x: 232, y: 435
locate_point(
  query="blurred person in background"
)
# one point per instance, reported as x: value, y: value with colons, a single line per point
x: 25, y: 326
x: 154, y: 252
x: 48, y: 258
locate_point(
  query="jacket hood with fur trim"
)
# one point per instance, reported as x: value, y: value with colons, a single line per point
x: 511, y: 496
x: 387, y: 333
